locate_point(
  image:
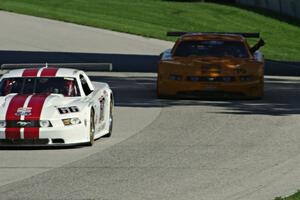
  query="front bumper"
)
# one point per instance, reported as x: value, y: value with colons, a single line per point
x: 68, y: 135
x: 207, y: 90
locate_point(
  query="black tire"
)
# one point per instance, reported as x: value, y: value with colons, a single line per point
x: 111, y: 119
x: 92, y: 129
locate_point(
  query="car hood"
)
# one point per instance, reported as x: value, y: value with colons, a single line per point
x: 228, y: 62
x: 35, y: 107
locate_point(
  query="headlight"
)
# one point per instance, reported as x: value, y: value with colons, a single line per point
x: 71, y: 121
x: 45, y: 123
x: 2, y: 123
x: 75, y: 121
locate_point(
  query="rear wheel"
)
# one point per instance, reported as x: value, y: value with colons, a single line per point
x: 92, y: 129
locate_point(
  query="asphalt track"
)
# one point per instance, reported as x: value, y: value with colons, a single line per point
x: 160, y: 149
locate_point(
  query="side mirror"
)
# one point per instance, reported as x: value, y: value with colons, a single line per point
x: 167, y: 54
x: 258, y: 56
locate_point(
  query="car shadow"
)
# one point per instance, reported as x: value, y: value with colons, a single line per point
x: 34, y: 148
x: 281, y: 96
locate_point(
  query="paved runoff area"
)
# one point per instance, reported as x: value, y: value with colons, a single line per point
x: 160, y: 149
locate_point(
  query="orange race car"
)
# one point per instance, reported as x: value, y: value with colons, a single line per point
x: 209, y: 65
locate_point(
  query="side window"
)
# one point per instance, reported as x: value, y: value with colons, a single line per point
x: 85, y: 86
x: 13, y: 85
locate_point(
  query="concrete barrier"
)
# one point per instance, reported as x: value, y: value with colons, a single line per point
x: 123, y: 62
x: 278, y: 68
x: 286, y: 7
x: 103, y: 67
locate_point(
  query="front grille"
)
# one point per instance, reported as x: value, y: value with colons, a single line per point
x: 24, y: 141
x: 22, y: 124
x: 58, y: 141
x: 210, y: 94
x: 211, y: 79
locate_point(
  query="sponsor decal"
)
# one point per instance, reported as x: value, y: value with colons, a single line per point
x: 101, y: 127
x: 105, y: 93
x: 23, y: 111
x: 102, y: 103
x: 23, y: 124
x: 16, y: 102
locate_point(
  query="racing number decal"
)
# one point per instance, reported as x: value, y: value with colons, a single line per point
x: 66, y: 110
x: 102, y: 102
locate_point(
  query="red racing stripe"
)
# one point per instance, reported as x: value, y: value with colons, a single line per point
x: 30, y: 72
x: 36, y: 103
x: 49, y: 72
x: 16, y: 102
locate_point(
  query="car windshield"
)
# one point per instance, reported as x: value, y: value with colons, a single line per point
x: 40, y: 85
x: 214, y: 48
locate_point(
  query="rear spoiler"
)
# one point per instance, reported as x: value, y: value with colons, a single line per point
x: 103, y: 67
x: 247, y: 35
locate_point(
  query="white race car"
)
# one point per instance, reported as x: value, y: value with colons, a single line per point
x: 53, y: 106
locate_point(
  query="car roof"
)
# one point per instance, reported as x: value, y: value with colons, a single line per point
x: 212, y: 36
x: 59, y: 72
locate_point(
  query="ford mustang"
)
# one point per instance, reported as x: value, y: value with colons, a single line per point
x: 209, y: 65
x: 53, y: 106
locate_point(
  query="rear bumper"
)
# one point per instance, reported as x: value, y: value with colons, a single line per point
x: 210, y: 90
x: 72, y: 135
